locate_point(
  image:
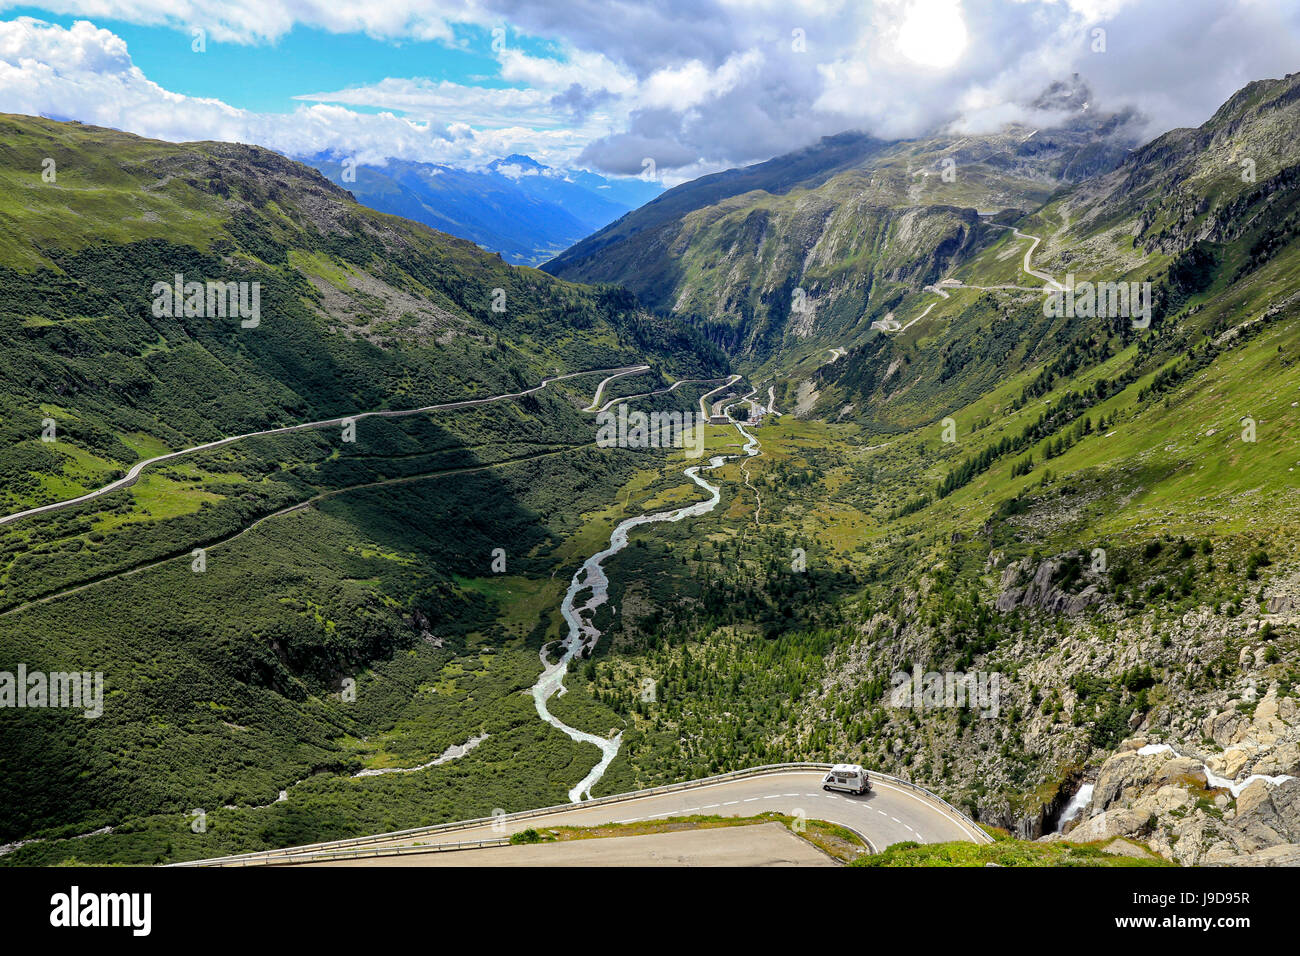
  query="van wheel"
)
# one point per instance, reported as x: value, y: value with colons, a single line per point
x: 827, y: 789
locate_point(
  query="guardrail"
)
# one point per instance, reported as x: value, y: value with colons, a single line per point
x: 367, y: 852
x: 967, y: 824
x: 265, y: 856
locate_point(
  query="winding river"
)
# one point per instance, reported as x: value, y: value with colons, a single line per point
x: 590, y: 577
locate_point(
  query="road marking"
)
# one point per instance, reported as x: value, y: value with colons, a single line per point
x: 884, y: 787
x: 439, y: 837
x: 930, y: 808
x: 752, y: 799
x: 896, y: 820
x: 692, y: 810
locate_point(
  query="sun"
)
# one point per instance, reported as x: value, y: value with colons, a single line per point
x: 933, y: 33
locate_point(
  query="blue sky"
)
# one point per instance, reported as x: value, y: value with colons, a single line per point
x: 685, y: 87
x: 267, y: 76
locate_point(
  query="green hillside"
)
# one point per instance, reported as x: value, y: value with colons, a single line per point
x: 955, y: 478
x: 329, y: 564
x: 777, y: 261
x: 1111, y: 527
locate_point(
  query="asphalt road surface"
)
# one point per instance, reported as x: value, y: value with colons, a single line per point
x: 890, y: 813
x: 764, y: 844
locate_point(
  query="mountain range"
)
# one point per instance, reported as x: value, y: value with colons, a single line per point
x: 954, y: 474
x: 517, y: 207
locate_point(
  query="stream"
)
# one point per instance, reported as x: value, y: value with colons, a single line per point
x: 591, y: 577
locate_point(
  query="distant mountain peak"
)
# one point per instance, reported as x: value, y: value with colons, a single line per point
x: 515, y: 206
x: 518, y: 159
x: 1072, y: 95
x: 516, y: 165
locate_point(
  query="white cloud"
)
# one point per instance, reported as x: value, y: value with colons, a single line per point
x: 693, y: 83
x: 593, y: 71
x: 449, y: 102
x: 84, y: 72
x: 696, y: 85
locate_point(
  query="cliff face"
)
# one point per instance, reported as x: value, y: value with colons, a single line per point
x: 1206, y: 184
x: 1228, y: 807
x: 1024, y: 585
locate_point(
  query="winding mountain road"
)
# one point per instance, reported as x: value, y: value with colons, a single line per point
x: 595, y: 399
x: 890, y: 324
x: 130, y: 477
x: 658, y: 391
x: 704, y: 407
x: 891, y: 813
x: 1029, y: 270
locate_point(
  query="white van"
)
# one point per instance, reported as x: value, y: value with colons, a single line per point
x: 848, y: 777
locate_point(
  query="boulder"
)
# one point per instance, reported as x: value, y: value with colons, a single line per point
x: 1286, y: 854
x: 1180, y: 770
x: 1125, y: 775
x: 1231, y: 762
x: 1282, y: 758
x: 1109, y: 823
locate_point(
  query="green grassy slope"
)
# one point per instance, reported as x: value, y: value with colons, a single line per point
x: 225, y: 687
x: 1170, y: 452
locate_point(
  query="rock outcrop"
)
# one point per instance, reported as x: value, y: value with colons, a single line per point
x: 1025, y: 585
x: 1239, y: 806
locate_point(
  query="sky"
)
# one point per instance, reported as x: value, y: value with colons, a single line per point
x: 669, y: 89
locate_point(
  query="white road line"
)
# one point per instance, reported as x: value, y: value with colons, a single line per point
x: 930, y: 807
x: 882, y: 785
